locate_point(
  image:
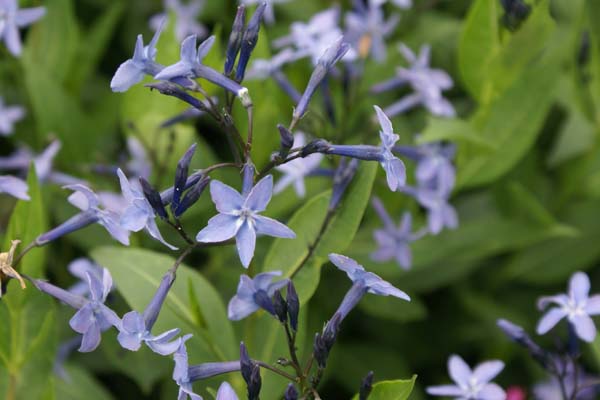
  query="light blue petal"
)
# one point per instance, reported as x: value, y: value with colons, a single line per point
x: 240, y: 308
x: 127, y: 75
x: 226, y: 392
x: 152, y: 229
x: 177, y: 70
x: 260, y: 195
x: 204, y: 48
x: 27, y: 16
x: 91, y: 339
x: 83, y: 319
x: 270, y: 227
x: 129, y: 341
x: 226, y: 198
x: 220, y: 227
x: 245, y: 240
x: 134, y: 218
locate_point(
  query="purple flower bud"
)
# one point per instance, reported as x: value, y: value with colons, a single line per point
x: 248, y: 172
x: 235, y: 39
x: 280, y: 307
x: 341, y: 179
x: 249, y: 41
x: 325, y: 341
x: 170, y: 89
x: 167, y: 195
x: 208, y: 370
x: 191, y: 196
x: 518, y: 335
x: 290, y: 393
x: 181, y: 174
x: 293, y: 305
x: 331, y: 55
x: 154, y: 198
x: 286, y: 142
x: 366, y: 386
x: 250, y: 372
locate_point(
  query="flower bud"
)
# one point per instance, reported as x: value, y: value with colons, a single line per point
x: 280, y: 307
x: 192, y: 196
x: 293, y: 305
x: 249, y: 41
x: 290, y: 393
x: 366, y: 386
x: 153, y: 198
x: 235, y: 39
x: 181, y: 174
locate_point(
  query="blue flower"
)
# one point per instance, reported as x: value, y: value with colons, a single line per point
x: 294, y: 171
x: 92, y: 317
x: 186, y: 18
x: 190, y: 59
x: 577, y: 306
x: 427, y: 84
x: 253, y: 294
x: 11, y: 19
x: 139, y: 214
x: 226, y: 392
x: 136, y: 328
x: 79, y: 268
x: 362, y: 282
x: 471, y: 384
x: 366, y: 25
x: 9, y: 115
x: 440, y: 213
x: 142, y: 63
x: 88, y: 202
x: 394, y: 241
x: 239, y: 217
x: 14, y: 187
x: 181, y: 372
x: 394, y: 168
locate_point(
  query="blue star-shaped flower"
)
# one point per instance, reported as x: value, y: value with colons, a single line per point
x: 253, y: 294
x: 12, y: 18
x: 239, y: 217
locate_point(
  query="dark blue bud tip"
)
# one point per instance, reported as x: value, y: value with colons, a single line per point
x: 153, y: 197
x: 262, y: 299
x: 366, y: 386
x: 235, y: 39
x: 249, y: 41
x: 280, y: 307
x: 293, y: 305
x: 181, y: 175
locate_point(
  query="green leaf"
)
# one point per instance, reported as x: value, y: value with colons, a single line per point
x: 288, y: 255
x: 193, y: 304
x: 512, y: 121
x: 479, y: 42
x: 392, y: 390
x: 80, y: 385
x: 455, y: 130
x: 27, y: 331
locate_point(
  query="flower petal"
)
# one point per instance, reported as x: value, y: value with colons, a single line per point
x: 226, y: 198
x: 550, y: 319
x: 239, y: 308
x: 445, y: 390
x: 486, y: 371
x: 579, y: 287
x: 584, y: 327
x: 260, y: 195
x: 127, y: 75
x: 220, y: 227
x: 492, y: 391
x: 245, y: 240
x: 458, y: 370
x: 270, y: 227
x: 91, y: 339
x: 226, y: 392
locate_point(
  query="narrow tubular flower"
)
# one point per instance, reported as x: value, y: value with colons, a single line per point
x: 471, y: 384
x: 239, y: 217
x: 362, y: 282
x: 142, y: 63
x: 394, y: 168
x: 9, y: 115
x: 88, y: 202
x: 12, y: 18
x: 209, y: 370
x: 135, y: 328
x: 139, y: 213
x: 327, y: 60
x: 14, y: 187
x: 577, y: 306
x: 253, y: 294
x: 92, y: 317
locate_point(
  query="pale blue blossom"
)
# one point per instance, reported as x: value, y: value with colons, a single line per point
x: 367, y: 24
x: 80, y: 268
x: 239, y: 217
x: 181, y: 372
x: 142, y: 63
x: 296, y: 170
x: 226, y: 392
x: 9, y: 115
x: 363, y: 282
x: 14, y: 186
x: 253, y: 294
x: 139, y: 214
x: 471, y: 384
x: 12, y: 18
x: 186, y: 18
x: 190, y: 58
x: 577, y: 306
x: 427, y: 84
x: 92, y: 317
